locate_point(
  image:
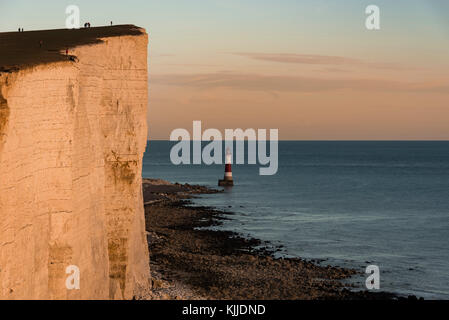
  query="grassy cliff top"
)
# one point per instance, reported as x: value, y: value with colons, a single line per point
x: 23, y: 49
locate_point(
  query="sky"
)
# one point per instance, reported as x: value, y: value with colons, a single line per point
x: 308, y: 68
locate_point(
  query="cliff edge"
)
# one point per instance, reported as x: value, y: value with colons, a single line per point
x: 73, y: 131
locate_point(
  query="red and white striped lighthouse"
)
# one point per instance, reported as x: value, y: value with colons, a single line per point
x: 227, y: 181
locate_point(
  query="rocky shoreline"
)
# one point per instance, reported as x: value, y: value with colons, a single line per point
x: 190, y: 261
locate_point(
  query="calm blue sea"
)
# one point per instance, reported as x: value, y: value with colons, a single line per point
x: 352, y: 203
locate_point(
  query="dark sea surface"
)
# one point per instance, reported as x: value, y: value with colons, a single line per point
x: 351, y: 203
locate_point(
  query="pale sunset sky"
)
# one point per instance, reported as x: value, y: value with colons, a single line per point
x: 309, y: 68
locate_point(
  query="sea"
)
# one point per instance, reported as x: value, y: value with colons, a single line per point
x: 344, y: 203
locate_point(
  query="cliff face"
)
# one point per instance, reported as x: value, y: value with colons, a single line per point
x: 72, y: 137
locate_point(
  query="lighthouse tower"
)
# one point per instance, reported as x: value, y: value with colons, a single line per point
x: 227, y: 181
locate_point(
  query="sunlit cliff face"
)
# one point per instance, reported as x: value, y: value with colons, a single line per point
x: 72, y: 137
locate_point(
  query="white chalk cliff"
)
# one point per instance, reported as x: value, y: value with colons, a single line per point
x: 72, y: 136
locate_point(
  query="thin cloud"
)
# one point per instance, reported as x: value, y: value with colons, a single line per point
x: 162, y: 55
x: 257, y: 82
x: 299, y: 58
x: 315, y: 59
x: 190, y: 65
